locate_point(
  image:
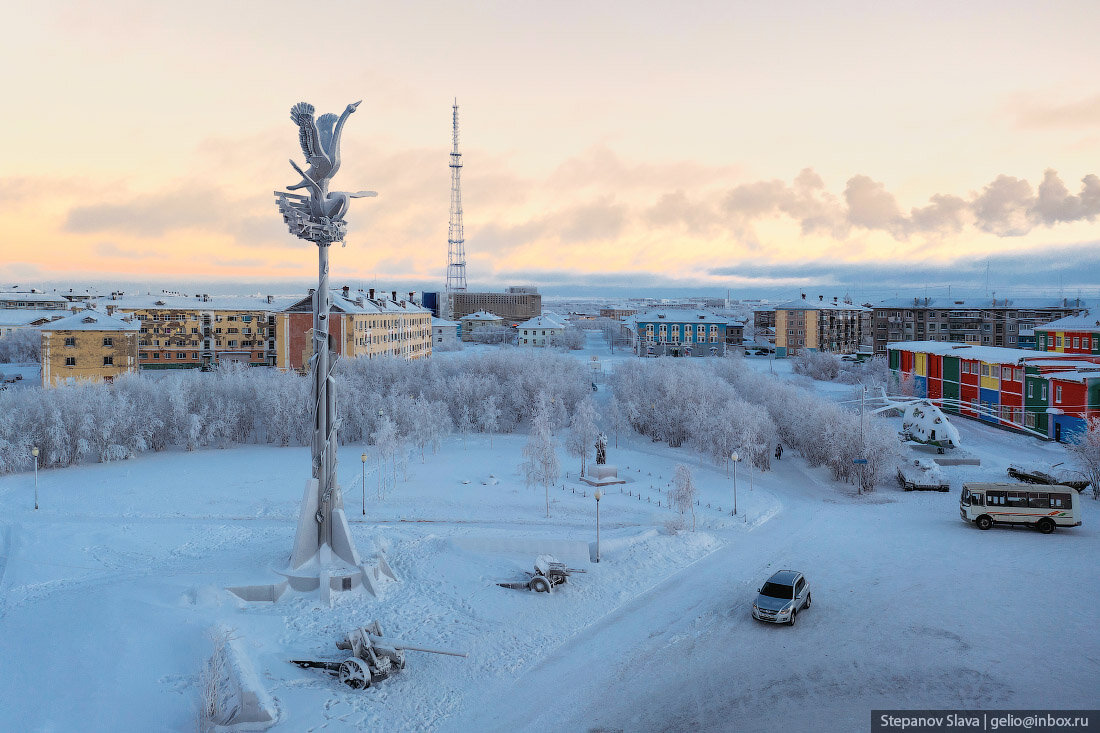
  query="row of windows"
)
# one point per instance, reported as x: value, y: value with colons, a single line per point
x: 107, y: 341
x: 1023, y: 499
x: 70, y: 361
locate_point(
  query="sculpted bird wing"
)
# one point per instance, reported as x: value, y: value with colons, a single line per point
x: 325, y: 123
x: 310, y: 139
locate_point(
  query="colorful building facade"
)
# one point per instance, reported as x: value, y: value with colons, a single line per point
x: 1049, y: 396
x: 1078, y: 334
x: 821, y: 325
x: 677, y: 332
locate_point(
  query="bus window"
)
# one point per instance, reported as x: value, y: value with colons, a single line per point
x: 1038, y: 500
x: 1016, y: 499
x: 966, y: 495
x: 995, y: 498
x: 1060, y: 501
x: 976, y: 500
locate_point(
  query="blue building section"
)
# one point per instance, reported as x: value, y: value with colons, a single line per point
x: 1066, y: 427
x: 920, y: 386
x: 431, y: 302
x: 991, y: 404
x: 680, y: 333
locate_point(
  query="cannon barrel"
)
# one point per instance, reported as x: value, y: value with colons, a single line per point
x: 395, y: 644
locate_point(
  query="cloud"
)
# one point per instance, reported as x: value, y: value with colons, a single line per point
x: 1042, y: 115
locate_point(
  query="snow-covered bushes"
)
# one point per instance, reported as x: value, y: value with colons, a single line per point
x: 1087, y: 453
x: 21, y: 346
x: 825, y: 367
x: 817, y: 365
x: 719, y: 407
x: 491, y: 392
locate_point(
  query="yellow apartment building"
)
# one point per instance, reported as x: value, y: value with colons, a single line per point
x: 88, y: 345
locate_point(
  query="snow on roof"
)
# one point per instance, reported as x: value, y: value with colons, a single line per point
x: 29, y: 296
x: 1083, y: 322
x: 442, y: 322
x: 817, y: 305
x: 90, y: 320
x: 176, y: 302
x: 542, y: 321
x: 981, y: 303
x: 676, y: 315
x: 27, y: 316
x: 481, y: 316
x: 989, y: 354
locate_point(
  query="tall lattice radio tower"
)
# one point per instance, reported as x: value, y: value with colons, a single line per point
x: 456, y: 249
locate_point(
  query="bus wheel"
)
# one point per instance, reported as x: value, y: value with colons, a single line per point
x: 984, y: 521
x: 1045, y: 525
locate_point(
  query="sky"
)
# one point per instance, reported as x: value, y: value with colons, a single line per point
x: 891, y: 147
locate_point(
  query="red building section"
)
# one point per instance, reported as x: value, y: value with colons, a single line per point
x: 300, y: 335
x: 935, y: 376
x: 1070, y: 397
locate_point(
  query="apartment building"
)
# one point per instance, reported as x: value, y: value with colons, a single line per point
x: 362, y: 324
x: 1078, y: 334
x: 807, y: 325
x: 29, y: 308
x: 676, y: 332
x: 541, y: 331
x: 977, y: 321
x: 88, y: 345
x: 180, y: 331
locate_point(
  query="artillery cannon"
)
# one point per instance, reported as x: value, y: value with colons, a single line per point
x: 548, y: 573
x: 373, y: 657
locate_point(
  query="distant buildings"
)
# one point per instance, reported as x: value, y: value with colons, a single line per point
x: 361, y: 325
x: 821, y: 325
x: 1078, y: 334
x: 675, y: 332
x: 543, y: 330
x: 89, y: 345
x: 1049, y: 395
x: 617, y: 313
x: 445, y: 334
x: 516, y: 304
x: 479, y: 323
x: 978, y: 321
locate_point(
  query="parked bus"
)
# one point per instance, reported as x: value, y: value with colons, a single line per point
x: 1043, y: 507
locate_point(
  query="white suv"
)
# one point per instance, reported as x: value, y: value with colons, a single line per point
x: 782, y: 597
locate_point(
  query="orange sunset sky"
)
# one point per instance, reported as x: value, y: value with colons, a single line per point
x: 712, y: 144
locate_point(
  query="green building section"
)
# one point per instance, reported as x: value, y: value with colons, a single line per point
x: 1036, y: 400
x: 951, y: 383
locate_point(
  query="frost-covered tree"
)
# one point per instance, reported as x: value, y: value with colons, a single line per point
x: 1086, y: 452
x: 387, y: 442
x: 540, y: 465
x: 489, y: 416
x: 582, y: 431
x: 683, y: 491
x: 21, y: 346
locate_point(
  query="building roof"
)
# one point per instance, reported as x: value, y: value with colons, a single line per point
x: 543, y: 321
x: 991, y: 354
x: 30, y: 296
x: 817, y: 305
x: 982, y: 303
x: 357, y: 302
x: 90, y: 320
x: 443, y: 323
x: 676, y: 315
x: 481, y: 316
x: 179, y: 302
x: 1083, y: 322
x: 29, y: 316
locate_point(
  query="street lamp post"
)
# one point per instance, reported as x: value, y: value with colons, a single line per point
x: 598, y: 495
x: 381, y: 414
x: 734, y: 457
x: 34, y: 452
x: 364, y: 482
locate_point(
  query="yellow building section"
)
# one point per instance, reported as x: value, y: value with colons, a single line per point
x: 920, y: 364
x: 811, y: 330
x: 87, y: 355
x: 781, y: 329
x: 1060, y: 341
x: 990, y: 378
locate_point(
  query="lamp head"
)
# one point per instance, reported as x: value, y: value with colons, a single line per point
x: 598, y: 494
x: 733, y: 456
x: 34, y: 451
x: 364, y: 457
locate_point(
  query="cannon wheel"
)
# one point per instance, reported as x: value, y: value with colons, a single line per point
x: 539, y: 584
x: 355, y: 673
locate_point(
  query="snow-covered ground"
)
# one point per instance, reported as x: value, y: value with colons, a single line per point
x: 108, y: 590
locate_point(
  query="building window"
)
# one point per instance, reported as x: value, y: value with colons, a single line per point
x: 1043, y: 392
x: 181, y: 355
x: 1017, y: 375
x: 1029, y: 390
x: 108, y: 361
x: 1058, y: 393
x: 1057, y: 342
x: 156, y: 355
x: 108, y: 341
x: 70, y: 341
x: 70, y: 361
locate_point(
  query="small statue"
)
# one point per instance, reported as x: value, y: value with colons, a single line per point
x: 601, y: 450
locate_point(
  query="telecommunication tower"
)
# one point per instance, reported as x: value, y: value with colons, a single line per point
x: 456, y: 249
